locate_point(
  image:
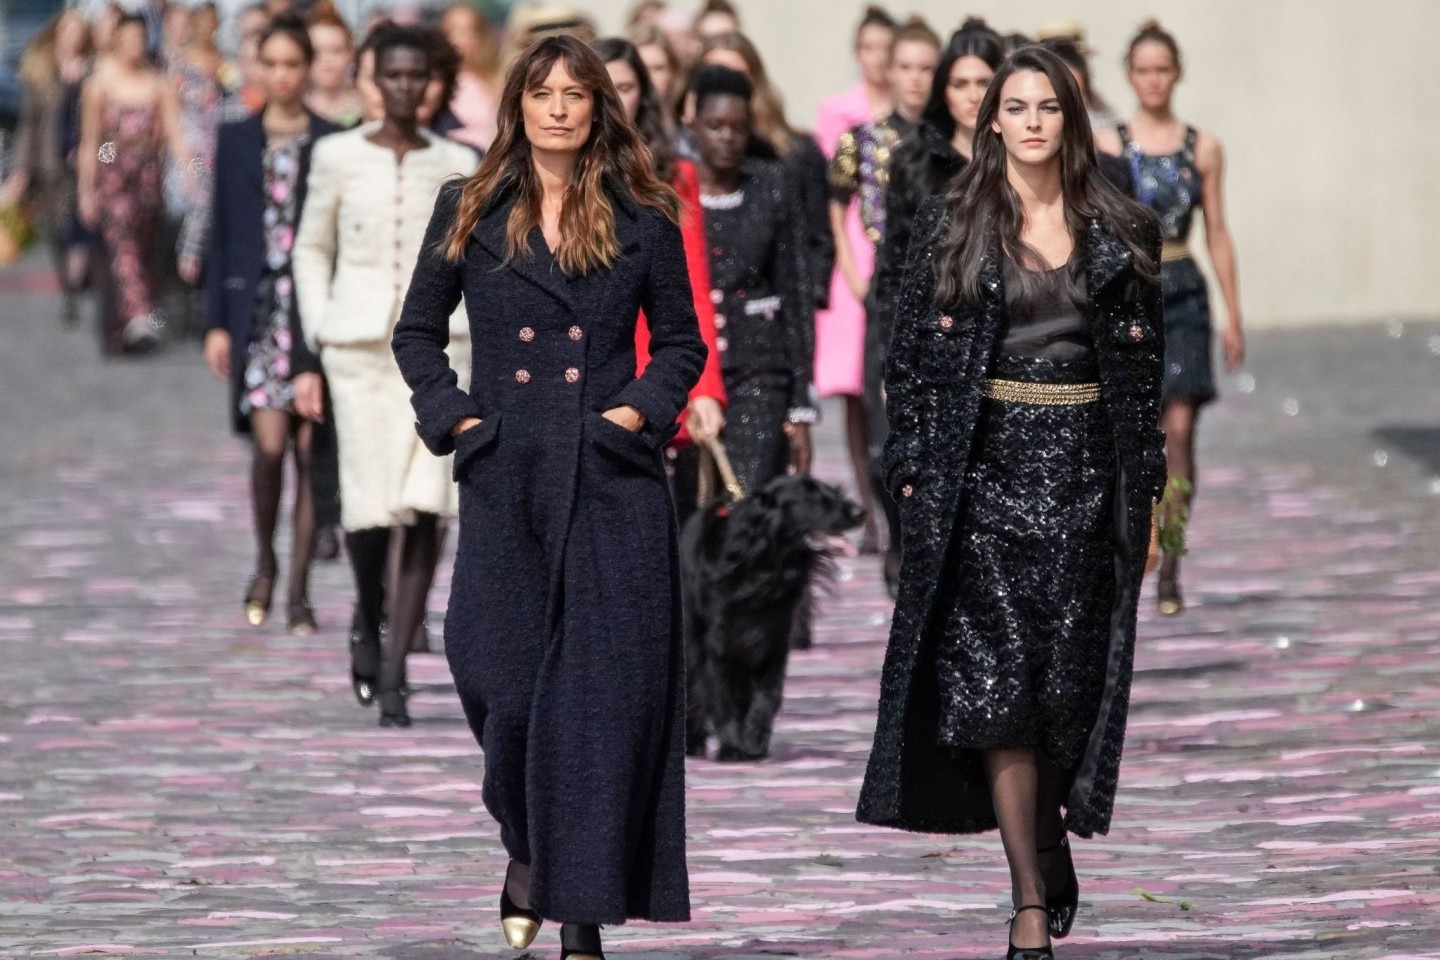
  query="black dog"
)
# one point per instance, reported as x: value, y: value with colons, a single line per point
x: 747, y: 571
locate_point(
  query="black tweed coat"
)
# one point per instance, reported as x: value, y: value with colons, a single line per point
x: 935, y: 371
x: 564, y: 631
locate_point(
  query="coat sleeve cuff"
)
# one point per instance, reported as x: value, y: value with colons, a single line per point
x: 439, y: 416
x: 661, y: 416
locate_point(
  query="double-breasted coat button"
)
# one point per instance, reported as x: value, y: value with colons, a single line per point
x: 946, y: 321
x: 572, y: 374
x: 716, y: 296
x: 719, y: 322
x: 722, y: 343
x: 527, y: 334
x: 522, y: 376
x: 907, y: 490
x: 1137, y: 332
x: 576, y: 333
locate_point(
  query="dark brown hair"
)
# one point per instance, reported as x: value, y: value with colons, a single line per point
x: 291, y: 27
x: 1151, y: 31
x: 650, y: 117
x: 613, y: 156
x: 875, y: 16
x: 984, y: 209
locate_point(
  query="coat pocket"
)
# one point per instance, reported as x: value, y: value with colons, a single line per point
x: 623, y: 444
x: 472, y: 443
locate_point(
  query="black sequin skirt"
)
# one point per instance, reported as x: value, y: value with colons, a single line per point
x: 755, y: 417
x: 1188, y: 370
x: 1021, y: 651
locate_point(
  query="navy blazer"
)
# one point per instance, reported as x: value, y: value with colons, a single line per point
x: 235, y: 259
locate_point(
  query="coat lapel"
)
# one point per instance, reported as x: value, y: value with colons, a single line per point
x: 536, y: 267
x: 1106, y: 257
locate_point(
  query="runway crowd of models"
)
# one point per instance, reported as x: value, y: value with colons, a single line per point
x: 581, y: 299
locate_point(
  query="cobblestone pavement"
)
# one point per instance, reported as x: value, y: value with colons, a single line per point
x: 173, y: 783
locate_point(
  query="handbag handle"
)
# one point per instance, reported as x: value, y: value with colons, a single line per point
x: 713, y: 454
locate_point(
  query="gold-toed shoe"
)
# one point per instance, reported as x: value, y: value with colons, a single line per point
x: 257, y: 599
x: 521, y: 926
x: 1168, y: 598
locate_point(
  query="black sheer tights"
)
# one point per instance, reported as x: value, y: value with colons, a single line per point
x: 1179, y: 419
x: 274, y: 432
x: 409, y: 572
x: 857, y: 438
x: 1027, y: 790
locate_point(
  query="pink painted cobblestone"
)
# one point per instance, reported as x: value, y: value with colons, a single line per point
x: 174, y: 784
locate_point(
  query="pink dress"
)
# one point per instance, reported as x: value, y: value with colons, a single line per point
x: 476, y: 109
x: 840, y: 330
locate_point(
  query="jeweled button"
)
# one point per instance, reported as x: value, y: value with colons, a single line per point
x: 907, y: 490
x: 572, y: 374
x: 522, y: 376
x: 527, y: 334
x: 576, y: 333
x: 946, y: 321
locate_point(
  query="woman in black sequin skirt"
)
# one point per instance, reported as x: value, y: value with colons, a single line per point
x: 764, y: 314
x: 1023, y: 393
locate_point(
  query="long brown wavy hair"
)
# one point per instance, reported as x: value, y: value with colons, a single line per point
x: 984, y: 209
x: 614, y: 156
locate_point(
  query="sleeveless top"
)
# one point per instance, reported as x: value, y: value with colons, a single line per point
x: 1046, y: 315
x: 1168, y: 184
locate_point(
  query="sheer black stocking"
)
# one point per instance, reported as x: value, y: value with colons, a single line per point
x: 857, y: 438
x: 1014, y: 790
x: 409, y: 573
x: 269, y: 431
x: 1179, y: 419
x: 302, y: 544
x: 581, y: 938
x: 517, y: 884
x: 369, y: 551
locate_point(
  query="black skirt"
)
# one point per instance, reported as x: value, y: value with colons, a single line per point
x: 1189, y: 375
x: 1022, y: 650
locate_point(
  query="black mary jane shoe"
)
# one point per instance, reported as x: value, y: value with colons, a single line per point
x: 1064, y: 904
x: 580, y: 942
x: 1027, y: 953
x: 364, y: 666
x: 520, y: 925
x: 393, y: 712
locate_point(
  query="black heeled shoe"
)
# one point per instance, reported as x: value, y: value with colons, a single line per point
x: 1027, y: 953
x: 520, y: 925
x: 393, y: 712
x: 364, y: 666
x: 258, y: 596
x: 1063, y: 905
x: 580, y: 941
x: 300, y: 619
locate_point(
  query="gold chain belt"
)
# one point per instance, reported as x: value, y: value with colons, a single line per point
x: 1172, y: 250
x: 1047, y: 394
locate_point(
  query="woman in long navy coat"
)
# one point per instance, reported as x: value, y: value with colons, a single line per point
x: 563, y: 631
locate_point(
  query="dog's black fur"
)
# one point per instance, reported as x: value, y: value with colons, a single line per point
x: 747, y: 572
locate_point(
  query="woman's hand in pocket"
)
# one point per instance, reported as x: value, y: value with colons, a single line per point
x: 627, y: 417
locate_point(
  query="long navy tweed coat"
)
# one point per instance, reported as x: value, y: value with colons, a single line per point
x: 563, y: 631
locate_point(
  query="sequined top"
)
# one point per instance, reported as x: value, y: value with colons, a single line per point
x: 764, y: 314
x: 861, y: 166
x: 1046, y: 314
x: 1169, y: 184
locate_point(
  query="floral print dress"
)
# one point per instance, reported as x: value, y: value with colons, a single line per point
x: 268, y: 384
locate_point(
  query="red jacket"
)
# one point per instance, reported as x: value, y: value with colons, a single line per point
x: 692, y: 229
